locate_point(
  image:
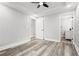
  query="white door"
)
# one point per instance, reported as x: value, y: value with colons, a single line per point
x: 39, y: 28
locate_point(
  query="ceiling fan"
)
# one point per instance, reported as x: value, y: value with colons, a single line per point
x: 41, y: 4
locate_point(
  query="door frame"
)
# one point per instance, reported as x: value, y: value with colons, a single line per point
x: 60, y: 17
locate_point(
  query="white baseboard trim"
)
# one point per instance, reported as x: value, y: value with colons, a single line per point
x: 56, y: 40
x: 77, y: 49
x: 14, y: 44
x: 52, y: 40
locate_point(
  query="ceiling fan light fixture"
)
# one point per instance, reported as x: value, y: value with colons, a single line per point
x: 41, y: 3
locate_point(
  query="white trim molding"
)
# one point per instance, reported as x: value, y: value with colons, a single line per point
x: 56, y: 40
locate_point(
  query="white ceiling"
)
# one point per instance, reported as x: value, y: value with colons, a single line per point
x: 31, y: 8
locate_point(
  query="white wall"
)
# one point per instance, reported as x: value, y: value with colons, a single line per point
x: 52, y: 27
x: 13, y: 27
x: 76, y: 29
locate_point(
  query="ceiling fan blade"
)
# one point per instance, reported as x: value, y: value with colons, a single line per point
x: 38, y: 6
x: 45, y: 5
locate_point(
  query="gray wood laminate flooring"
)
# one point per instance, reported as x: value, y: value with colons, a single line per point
x: 39, y: 47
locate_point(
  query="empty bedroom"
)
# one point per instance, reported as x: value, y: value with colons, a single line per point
x: 39, y: 28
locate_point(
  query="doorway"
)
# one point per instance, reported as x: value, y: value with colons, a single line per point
x: 67, y: 26
x: 39, y: 28
x: 33, y: 21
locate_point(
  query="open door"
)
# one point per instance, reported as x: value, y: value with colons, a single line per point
x: 40, y: 28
